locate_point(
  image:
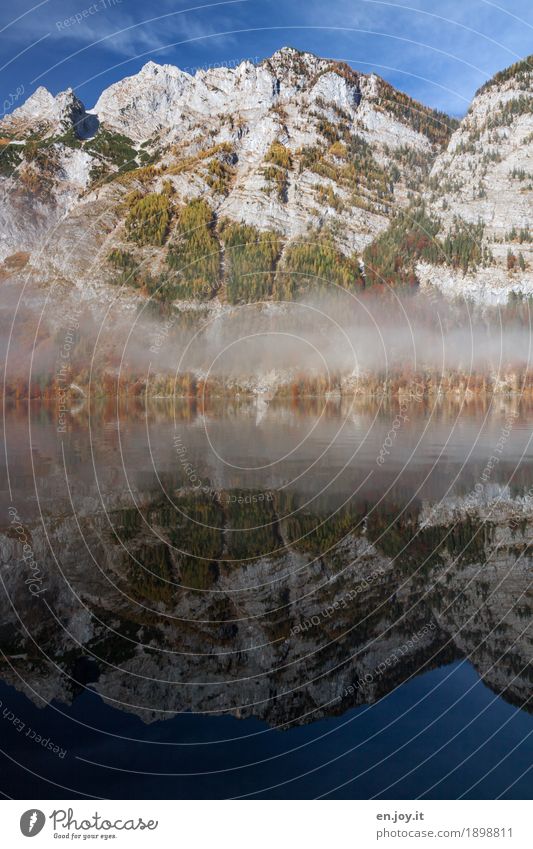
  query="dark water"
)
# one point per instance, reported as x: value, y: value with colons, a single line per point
x: 269, y: 600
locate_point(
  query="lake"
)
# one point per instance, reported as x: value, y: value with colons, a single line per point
x: 268, y: 599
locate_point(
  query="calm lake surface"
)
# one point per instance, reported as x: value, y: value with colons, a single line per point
x: 329, y: 597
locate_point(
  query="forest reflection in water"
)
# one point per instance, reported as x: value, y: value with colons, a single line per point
x: 255, y: 559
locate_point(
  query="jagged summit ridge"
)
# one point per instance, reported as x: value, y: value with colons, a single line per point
x: 292, y: 144
x: 165, y: 98
x: 293, y: 147
x: 162, y: 98
x: 43, y: 111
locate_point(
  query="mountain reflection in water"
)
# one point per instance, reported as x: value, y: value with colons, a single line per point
x: 254, y: 560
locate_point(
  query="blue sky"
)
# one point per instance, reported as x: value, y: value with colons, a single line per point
x: 439, y: 51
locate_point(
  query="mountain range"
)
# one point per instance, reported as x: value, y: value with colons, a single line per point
x: 256, y: 182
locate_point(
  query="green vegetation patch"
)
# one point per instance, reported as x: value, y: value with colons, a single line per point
x: 150, y: 572
x: 412, y: 236
x: 349, y: 162
x: 316, y: 263
x: 508, y: 111
x: 69, y: 138
x: 319, y: 534
x: 10, y: 159
x: 194, y: 255
x: 148, y: 220
x: 435, y: 125
x: 114, y: 151
x: 391, y: 258
x: 220, y: 175
x: 115, y: 148
x: 126, y: 265
x: 159, y: 288
x: 221, y: 169
x: 195, y: 529
x: 463, y: 246
x: 250, y: 258
x: 41, y: 177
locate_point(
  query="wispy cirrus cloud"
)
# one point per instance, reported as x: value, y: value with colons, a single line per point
x: 118, y: 26
x: 442, y: 52
x: 439, y: 53
x: 106, y: 39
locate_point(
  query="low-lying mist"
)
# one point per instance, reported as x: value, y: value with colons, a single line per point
x: 338, y: 334
x: 321, y: 335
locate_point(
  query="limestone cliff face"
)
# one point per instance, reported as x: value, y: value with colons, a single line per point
x: 296, y: 146
x: 44, y: 114
x: 485, y: 176
x: 343, y: 136
x: 41, y: 176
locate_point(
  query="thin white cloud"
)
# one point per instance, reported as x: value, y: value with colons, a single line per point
x: 115, y: 29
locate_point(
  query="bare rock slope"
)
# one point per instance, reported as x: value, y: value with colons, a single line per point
x: 484, y: 179
x: 296, y: 148
x: 293, y: 145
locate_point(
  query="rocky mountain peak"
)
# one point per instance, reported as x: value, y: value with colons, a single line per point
x: 38, y: 104
x: 48, y: 115
x: 294, y: 147
x: 154, y: 69
x: 163, y: 98
x: 289, y: 62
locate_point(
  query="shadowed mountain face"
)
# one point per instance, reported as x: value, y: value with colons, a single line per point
x: 287, y: 577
